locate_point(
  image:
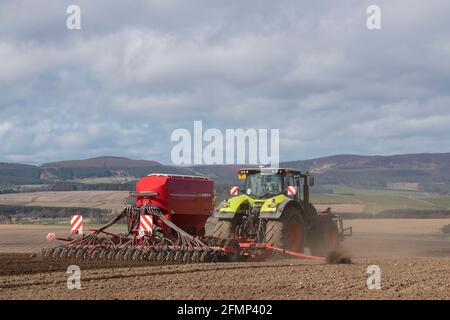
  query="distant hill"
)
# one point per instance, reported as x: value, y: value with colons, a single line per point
x: 101, y: 162
x: 11, y: 173
x: 426, y: 172
x: 430, y: 170
x: 102, y: 167
x: 222, y: 174
x: 425, y: 161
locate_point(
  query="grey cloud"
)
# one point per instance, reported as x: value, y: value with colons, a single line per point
x: 136, y: 71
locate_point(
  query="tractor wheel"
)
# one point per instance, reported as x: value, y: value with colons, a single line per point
x: 224, y: 229
x: 287, y: 232
x: 326, y: 238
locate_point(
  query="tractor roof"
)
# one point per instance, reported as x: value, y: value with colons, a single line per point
x: 270, y: 170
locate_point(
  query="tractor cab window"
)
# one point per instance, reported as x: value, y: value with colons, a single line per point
x: 300, y: 187
x: 289, y: 181
x: 293, y: 180
x: 263, y: 185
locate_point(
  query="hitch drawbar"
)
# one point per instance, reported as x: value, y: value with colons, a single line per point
x: 248, y: 247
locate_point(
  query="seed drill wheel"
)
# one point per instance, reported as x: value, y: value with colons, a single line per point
x: 287, y: 232
x: 326, y: 238
x: 234, y: 251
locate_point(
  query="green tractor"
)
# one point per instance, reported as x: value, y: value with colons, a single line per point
x: 274, y: 208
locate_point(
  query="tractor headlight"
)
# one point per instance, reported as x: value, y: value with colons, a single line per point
x: 272, y: 205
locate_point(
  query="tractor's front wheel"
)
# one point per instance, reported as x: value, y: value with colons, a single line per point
x: 287, y: 232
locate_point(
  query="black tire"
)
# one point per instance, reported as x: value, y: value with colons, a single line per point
x: 325, y: 239
x: 312, y: 210
x: 278, y: 232
x: 224, y: 229
x: 235, y: 253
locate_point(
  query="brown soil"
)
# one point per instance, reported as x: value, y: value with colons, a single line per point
x: 22, y: 238
x: 414, y: 262
x: 402, y: 278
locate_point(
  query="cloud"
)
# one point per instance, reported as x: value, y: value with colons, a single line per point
x: 136, y: 72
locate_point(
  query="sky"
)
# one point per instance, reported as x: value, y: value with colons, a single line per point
x: 138, y: 70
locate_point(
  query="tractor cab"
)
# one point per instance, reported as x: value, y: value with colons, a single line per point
x: 264, y: 183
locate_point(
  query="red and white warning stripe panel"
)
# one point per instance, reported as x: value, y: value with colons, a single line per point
x: 292, y: 190
x: 145, y: 225
x: 234, y: 191
x: 76, y: 224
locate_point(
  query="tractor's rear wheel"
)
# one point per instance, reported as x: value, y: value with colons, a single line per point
x: 224, y: 229
x: 326, y: 238
x: 286, y: 232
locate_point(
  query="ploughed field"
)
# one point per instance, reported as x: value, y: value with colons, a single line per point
x: 412, y: 254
